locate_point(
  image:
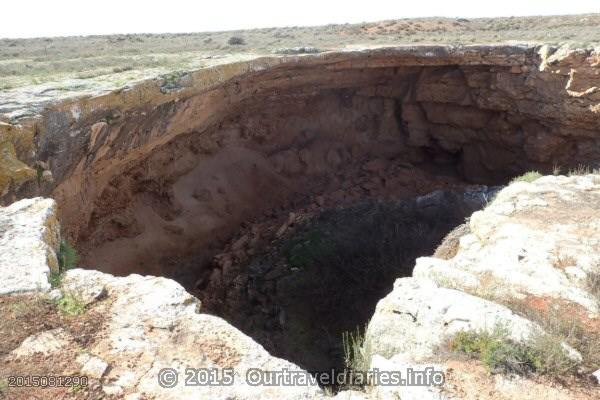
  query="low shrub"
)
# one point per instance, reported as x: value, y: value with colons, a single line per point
x: 67, y: 259
x: 236, y: 41
x: 527, y: 177
x: 297, y: 50
x: 70, y: 304
x: 543, y: 354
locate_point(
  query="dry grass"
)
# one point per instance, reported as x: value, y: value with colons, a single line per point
x: 562, y: 261
x: 593, y: 285
x: 449, y: 246
x: 583, y: 170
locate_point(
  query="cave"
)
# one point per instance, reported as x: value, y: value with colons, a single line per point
x: 218, y: 178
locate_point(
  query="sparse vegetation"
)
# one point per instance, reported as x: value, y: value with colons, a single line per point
x: 543, y: 354
x: 55, y: 278
x: 35, y: 61
x: 70, y: 304
x: 564, y: 328
x: 561, y: 260
x: 357, y: 350
x: 67, y: 259
x: 67, y: 256
x: 558, y: 325
x: 77, y: 388
x: 593, y: 285
x: 527, y: 177
x: 556, y: 170
x: 583, y: 170
x: 19, y: 309
x: 298, y: 50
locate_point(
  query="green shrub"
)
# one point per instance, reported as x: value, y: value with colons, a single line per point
x: 70, y: 304
x: 77, y: 388
x: 527, y: 177
x: 67, y: 256
x: 236, y: 41
x: 550, y: 357
x: 543, y: 354
x: 67, y: 259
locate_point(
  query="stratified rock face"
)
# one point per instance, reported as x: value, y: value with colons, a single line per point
x: 167, y: 167
x: 29, y: 239
x: 16, y: 150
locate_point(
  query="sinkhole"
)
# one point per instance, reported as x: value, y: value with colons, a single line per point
x: 288, y: 198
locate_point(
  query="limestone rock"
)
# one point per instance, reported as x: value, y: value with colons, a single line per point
x: 597, y: 376
x: 92, y: 366
x: 88, y: 286
x: 418, y: 317
x: 430, y: 391
x: 47, y: 342
x: 528, y: 241
x: 153, y: 323
x: 112, y: 390
x: 29, y: 239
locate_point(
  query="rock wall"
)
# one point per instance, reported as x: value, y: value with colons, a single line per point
x: 169, y: 169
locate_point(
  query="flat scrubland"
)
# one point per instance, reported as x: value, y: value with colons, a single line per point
x: 119, y: 59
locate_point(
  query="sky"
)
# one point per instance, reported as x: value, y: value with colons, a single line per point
x: 36, y: 18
